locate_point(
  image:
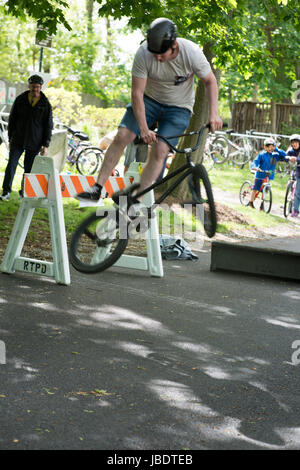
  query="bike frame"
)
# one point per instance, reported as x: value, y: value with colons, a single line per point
x: 265, y: 182
x: 189, y: 166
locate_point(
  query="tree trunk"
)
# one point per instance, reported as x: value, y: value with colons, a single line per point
x: 199, y: 118
x: 89, y: 11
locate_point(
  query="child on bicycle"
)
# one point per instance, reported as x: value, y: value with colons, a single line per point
x: 294, y: 153
x: 264, y: 165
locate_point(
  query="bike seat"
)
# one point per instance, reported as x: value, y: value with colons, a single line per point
x: 81, y: 135
x: 229, y: 131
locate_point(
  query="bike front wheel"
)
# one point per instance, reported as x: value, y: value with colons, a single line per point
x: 89, y: 160
x: 98, y: 242
x: 245, y: 192
x: 202, y: 195
x: 267, y: 198
x: 288, y: 200
x: 219, y: 150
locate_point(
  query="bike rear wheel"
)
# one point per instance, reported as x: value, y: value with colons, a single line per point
x: 288, y: 200
x: 240, y: 156
x: 89, y: 160
x: 98, y: 242
x: 245, y: 192
x: 208, y: 160
x: 267, y: 198
x: 202, y: 195
x: 218, y: 149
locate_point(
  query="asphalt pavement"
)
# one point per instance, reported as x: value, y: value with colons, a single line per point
x: 196, y: 360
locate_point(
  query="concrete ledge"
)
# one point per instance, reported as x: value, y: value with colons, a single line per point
x: 275, y: 258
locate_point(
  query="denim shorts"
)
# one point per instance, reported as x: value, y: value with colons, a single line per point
x: 257, y: 184
x: 171, y: 120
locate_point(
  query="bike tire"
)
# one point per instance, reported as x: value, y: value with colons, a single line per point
x: 95, y: 245
x: 288, y: 202
x: 89, y: 160
x: 219, y: 149
x: 245, y: 192
x: 239, y: 157
x: 267, y: 198
x: 208, y: 160
x: 203, y: 195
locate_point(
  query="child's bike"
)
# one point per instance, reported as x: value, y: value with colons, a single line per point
x: 99, y: 241
x: 263, y: 197
x: 290, y: 194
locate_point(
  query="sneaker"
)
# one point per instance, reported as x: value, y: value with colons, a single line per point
x: 294, y: 214
x: 250, y: 204
x: 5, y: 196
x: 93, y: 194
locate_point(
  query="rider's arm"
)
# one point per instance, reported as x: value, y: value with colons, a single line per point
x: 211, y: 88
x: 282, y: 154
x: 137, y: 94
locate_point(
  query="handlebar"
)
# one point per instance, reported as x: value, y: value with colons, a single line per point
x: 264, y: 171
x: 187, y: 134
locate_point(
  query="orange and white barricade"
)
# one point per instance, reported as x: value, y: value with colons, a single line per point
x: 44, y: 188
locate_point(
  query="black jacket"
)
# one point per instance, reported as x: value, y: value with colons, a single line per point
x: 30, y: 127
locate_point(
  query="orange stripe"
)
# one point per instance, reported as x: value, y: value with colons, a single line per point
x: 77, y: 185
x: 91, y: 180
x: 63, y: 187
x: 109, y: 188
x: 28, y: 189
x: 120, y: 183
x: 42, y: 180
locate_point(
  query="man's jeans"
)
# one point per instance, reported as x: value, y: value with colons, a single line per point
x: 14, y: 157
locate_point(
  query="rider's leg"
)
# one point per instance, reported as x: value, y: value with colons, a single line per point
x: 113, y: 154
x: 154, y: 164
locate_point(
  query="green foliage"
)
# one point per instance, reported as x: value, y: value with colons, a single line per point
x: 48, y: 13
x: 66, y: 105
x: 68, y: 109
x: 105, y: 119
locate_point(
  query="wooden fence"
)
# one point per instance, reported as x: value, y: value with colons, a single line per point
x: 277, y: 118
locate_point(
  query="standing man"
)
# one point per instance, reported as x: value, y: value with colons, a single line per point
x: 163, y: 92
x: 29, y: 129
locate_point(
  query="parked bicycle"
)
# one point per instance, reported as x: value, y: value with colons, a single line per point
x: 263, y: 197
x: 230, y: 146
x: 98, y: 243
x: 4, y: 134
x: 290, y: 194
x: 86, y: 157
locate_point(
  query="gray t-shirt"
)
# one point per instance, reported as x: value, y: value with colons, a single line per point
x: 161, y: 76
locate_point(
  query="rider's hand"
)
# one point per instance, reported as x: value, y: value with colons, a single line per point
x: 44, y: 151
x: 148, y: 136
x: 216, y: 123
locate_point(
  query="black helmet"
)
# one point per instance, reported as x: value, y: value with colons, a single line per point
x: 36, y: 79
x: 161, y: 35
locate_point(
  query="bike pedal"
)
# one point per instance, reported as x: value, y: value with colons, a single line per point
x: 128, y: 193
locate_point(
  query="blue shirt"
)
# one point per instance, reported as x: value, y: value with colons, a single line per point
x: 295, y: 153
x: 267, y: 162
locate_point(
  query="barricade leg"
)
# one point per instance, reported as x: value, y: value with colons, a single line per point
x: 12, y: 261
x: 153, y: 262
